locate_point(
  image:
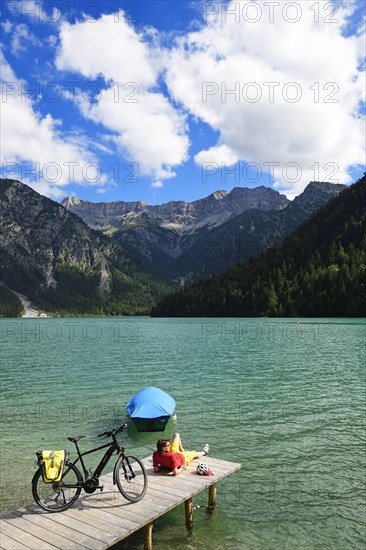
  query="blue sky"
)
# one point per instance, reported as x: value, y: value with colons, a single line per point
x: 172, y: 100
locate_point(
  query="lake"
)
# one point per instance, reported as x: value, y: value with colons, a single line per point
x: 284, y: 397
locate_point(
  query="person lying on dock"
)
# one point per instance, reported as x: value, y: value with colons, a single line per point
x: 172, y: 456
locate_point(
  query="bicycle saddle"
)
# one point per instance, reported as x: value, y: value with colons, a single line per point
x: 74, y: 439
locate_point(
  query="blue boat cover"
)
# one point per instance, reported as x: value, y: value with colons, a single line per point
x: 150, y: 403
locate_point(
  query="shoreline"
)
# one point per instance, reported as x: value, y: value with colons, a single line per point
x: 29, y: 311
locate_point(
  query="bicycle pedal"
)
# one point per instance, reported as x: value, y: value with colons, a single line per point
x: 101, y: 487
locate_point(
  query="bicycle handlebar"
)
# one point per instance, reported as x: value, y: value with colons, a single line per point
x: 113, y: 432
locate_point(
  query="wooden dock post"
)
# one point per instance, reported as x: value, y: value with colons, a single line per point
x: 189, y: 513
x: 148, y: 536
x: 212, y: 497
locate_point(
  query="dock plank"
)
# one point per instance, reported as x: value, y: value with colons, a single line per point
x: 30, y: 541
x: 87, y: 516
x: 39, y: 531
x: 10, y: 544
x: 100, y: 520
x: 61, y: 529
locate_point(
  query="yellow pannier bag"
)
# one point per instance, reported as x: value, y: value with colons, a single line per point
x: 52, y: 465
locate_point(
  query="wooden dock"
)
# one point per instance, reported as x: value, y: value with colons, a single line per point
x: 100, y: 520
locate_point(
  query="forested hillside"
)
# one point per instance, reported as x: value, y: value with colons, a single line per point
x: 319, y: 270
x: 61, y: 265
x: 10, y: 305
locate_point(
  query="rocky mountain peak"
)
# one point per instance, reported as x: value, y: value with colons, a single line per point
x: 219, y: 195
x: 316, y: 194
x: 71, y: 201
x: 324, y: 187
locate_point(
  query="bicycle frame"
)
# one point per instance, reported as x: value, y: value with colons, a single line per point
x: 112, y: 447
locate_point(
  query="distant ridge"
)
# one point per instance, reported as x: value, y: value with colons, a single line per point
x: 180, y: 215
x: 184, y: 241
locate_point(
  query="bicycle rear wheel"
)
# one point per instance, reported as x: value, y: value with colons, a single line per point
x: 58, y: 496
x: 131, y: 477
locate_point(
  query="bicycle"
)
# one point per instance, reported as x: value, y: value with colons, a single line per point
x: 129, y: 474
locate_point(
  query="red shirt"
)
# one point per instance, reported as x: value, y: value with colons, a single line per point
x: 168, y: 460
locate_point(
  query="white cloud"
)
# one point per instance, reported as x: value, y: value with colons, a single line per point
x: 157, y: 185
x: 22, y: 38
x: 147, y: 129
x: 7, y: 26
x: 142, y: 123
x: 52, y: 40
x: 228, y: 53
x: 34, y: 149
x: 222, y: 155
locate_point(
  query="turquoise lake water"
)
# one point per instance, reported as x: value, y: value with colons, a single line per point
x: 284, y: 397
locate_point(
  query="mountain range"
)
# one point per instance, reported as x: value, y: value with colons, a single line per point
x: 121, y: 258
x: 159, y: 234
x: 319, y: 270
x: 181, y: 242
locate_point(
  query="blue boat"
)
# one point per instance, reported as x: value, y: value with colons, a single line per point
x: 150, y: 409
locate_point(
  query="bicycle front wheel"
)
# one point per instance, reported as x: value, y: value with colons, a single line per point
x: 131, y: 477
x: 58, y: 496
